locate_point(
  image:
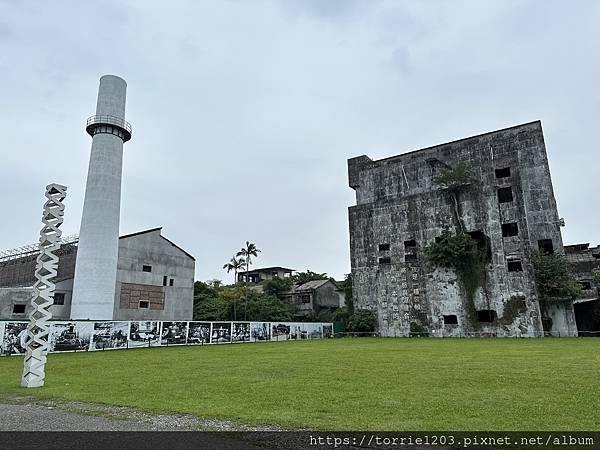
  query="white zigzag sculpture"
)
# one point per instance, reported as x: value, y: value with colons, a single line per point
x: 37, y: 344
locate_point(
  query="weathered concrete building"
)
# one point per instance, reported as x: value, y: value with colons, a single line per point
x: 315, y: 295
x: 155, y: 280
x: 509, y: 209
x: 584, y: 260
x: 266, y: 273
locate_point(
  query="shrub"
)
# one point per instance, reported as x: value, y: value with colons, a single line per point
x: 362, y: 321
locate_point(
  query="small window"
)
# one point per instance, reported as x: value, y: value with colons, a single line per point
x: 505, y: 195
x: 304, y: 298
x: 384, y: 247
x: 143, y: 305
x: 59, y: 298
x: 147, y: 268
x: 514, y: 265
x: 510, y: 229
x: 546, y: 246
x: 410, y: 258
x: 410, y: 243
x: 451, y: 320
x: 385, y: 260
x: 171, y: 281
x: 503, y: 173
x: 165, y: 280
x: 585, y: 285
x: 18, y: 309
x: 487, y: 315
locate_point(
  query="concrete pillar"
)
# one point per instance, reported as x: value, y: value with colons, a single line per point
x: 97, y: 253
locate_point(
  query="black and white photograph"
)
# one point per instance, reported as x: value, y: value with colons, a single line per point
x: 221, y: 332
x: 109, y: 335
x: 314, y: 330
x: 281, y: 332
x: 144, y: 334
x: 173, y: 333
x: 297, y: 331
x: 15, y: 336
x: 241, y: 332
x: 199, y: 333
x: 260, y: 331
x: 70, y: 336
x: 327, y: 331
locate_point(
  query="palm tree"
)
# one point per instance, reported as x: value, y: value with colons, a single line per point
x: 247, y: 253
x: 234, y: 264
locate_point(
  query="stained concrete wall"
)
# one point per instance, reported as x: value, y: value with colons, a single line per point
x: 166, y: 259
x: 398, y: 200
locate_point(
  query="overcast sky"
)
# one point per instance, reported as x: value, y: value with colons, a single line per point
x: 244, y: 112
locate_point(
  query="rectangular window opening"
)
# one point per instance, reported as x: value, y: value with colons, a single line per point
x: 410, y: 258
x: 585, y: 285
x: 451, y: 320
x: 147, y: 268
x: 18, y: 309
x: 514, y: 265
x: 546, y: 246
x: 385, y: 260
x: 165, y: 280
x: 59, y: 298
x: 384, y: 247
x: 487, y: 315
x: 510, y: 229
x: 144, y: 304
x: 410, y: 243
x: 505, y: 195
x: 503, y: 173
x: 171, y: 281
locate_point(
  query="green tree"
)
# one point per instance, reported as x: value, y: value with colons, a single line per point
x: 234, y: 264
x: 596, y: 273
x: 277, y: 286
x: 309, y: 275
x: 455, y: 180
x: 248, y: 252
x: 346, y: 286
x: 362, y: 321
x: 553, y: 276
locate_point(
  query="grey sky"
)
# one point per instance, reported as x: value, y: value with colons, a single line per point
x: 244, y: 112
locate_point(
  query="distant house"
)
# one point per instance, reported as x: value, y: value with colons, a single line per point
x: 267, y: 273
x: 315, y: 295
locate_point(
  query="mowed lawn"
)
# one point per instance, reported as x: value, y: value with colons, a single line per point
x: 344, y: 384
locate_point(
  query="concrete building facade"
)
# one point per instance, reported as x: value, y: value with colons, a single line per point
x: 315, y: 295
x: 400, y: 209
x: 154, y: 281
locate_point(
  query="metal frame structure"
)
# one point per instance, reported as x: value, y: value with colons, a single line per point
x: 37, y: 345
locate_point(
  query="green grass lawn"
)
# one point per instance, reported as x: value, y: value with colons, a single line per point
x: 344, y: 384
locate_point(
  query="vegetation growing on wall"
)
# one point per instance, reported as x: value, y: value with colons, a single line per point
x: 467, y: 257
x: 553, y: 276
x: 455, y: 180
x: 362, y: 321
x: 513, y: 309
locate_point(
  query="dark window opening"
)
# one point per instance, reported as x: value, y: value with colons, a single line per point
x: 450, y: 320
x: 385, y: 260
x: 503, y: 173
x: 384, y: 247
x: 585, y: 285
x: 409, y: 244
x: 305, y: 298
x: 147, y: 268
x: 546, y: 246
x: 510, y: 229
x: 410, y: 258
x: 144, y: 305
x: 505, y: 195
x: 438, y: 239
x: 59, y: 298
x: 165, y: 280
x: 171, y: 281
x: 486, y: 315
x: 514, y: 265
x: 596, y: 255
x: 18, y: 309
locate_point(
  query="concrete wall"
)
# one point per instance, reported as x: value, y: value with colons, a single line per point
x: 166, y: 260
x: 398, y: 200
